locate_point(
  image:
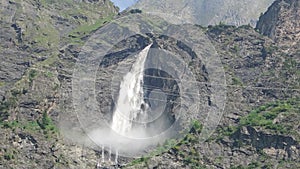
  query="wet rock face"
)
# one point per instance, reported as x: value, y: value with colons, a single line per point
x: 161, y: 90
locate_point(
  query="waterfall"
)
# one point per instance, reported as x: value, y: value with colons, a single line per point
x: 109, y: 155
x: 102, y: 155
x: 116, y: 157
x: 130, y: 105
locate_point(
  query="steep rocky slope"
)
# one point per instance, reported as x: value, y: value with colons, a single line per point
x: 32, y: 33
x: 35, y: 31
x: 281, y: 23
x: 208, y: 12
x: 256, y: 130
x: 260, y: 127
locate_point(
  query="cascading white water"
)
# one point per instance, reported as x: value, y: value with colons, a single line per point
x: 130, y: 105
x: 102, y: 155
x: 116, y: 157
x: 109, y: 154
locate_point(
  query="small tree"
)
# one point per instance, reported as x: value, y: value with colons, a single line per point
x: 46, y: 121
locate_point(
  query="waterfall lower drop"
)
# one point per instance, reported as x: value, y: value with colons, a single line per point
x: 102, y: 155
x: 109, y: 155
x: 116, y: 157
x: 109, y: 160
x: 130, y: 105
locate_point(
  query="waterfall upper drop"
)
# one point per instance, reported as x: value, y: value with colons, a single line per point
x: 131, y: 107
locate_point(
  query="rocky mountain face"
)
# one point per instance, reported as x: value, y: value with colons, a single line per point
x: 32, y: 35
x: 246, y: 137
x: 40, y: 44
x: 208, y: 12
x: 35, y: 30
x: 281, y: 23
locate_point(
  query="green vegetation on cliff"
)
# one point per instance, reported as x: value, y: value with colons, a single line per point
x: 280, y: 117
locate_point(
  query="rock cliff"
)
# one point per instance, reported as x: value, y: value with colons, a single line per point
x: 32, y: 35
x: 41, y: 42
x: 208, y: 12
x: 281, y: 22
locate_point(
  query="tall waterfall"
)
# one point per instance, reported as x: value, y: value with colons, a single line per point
x: 130, y: 106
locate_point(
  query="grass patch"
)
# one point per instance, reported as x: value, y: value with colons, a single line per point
x: 85, y: 30
x: 2, y: 84
x: 237, y: 81
x: 264, y: 117
x: 49, y: 74
x: 6, y: 105
x: 47, y: 36
x: 31, y: 75
x: 44, y: 125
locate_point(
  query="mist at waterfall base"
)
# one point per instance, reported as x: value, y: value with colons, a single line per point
x: 129, y: 131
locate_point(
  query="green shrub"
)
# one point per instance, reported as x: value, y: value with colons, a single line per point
x: 32, y: 74
x: 197, y: 126
x: 9, y: 156
x: 238, y: 167
x: 15, y: 93
x: 11, y: 124
x: 4, y: 108
x: 253, y: 165
x: 236, y: 81
x: 31, y: 126
x: 133, y: 11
